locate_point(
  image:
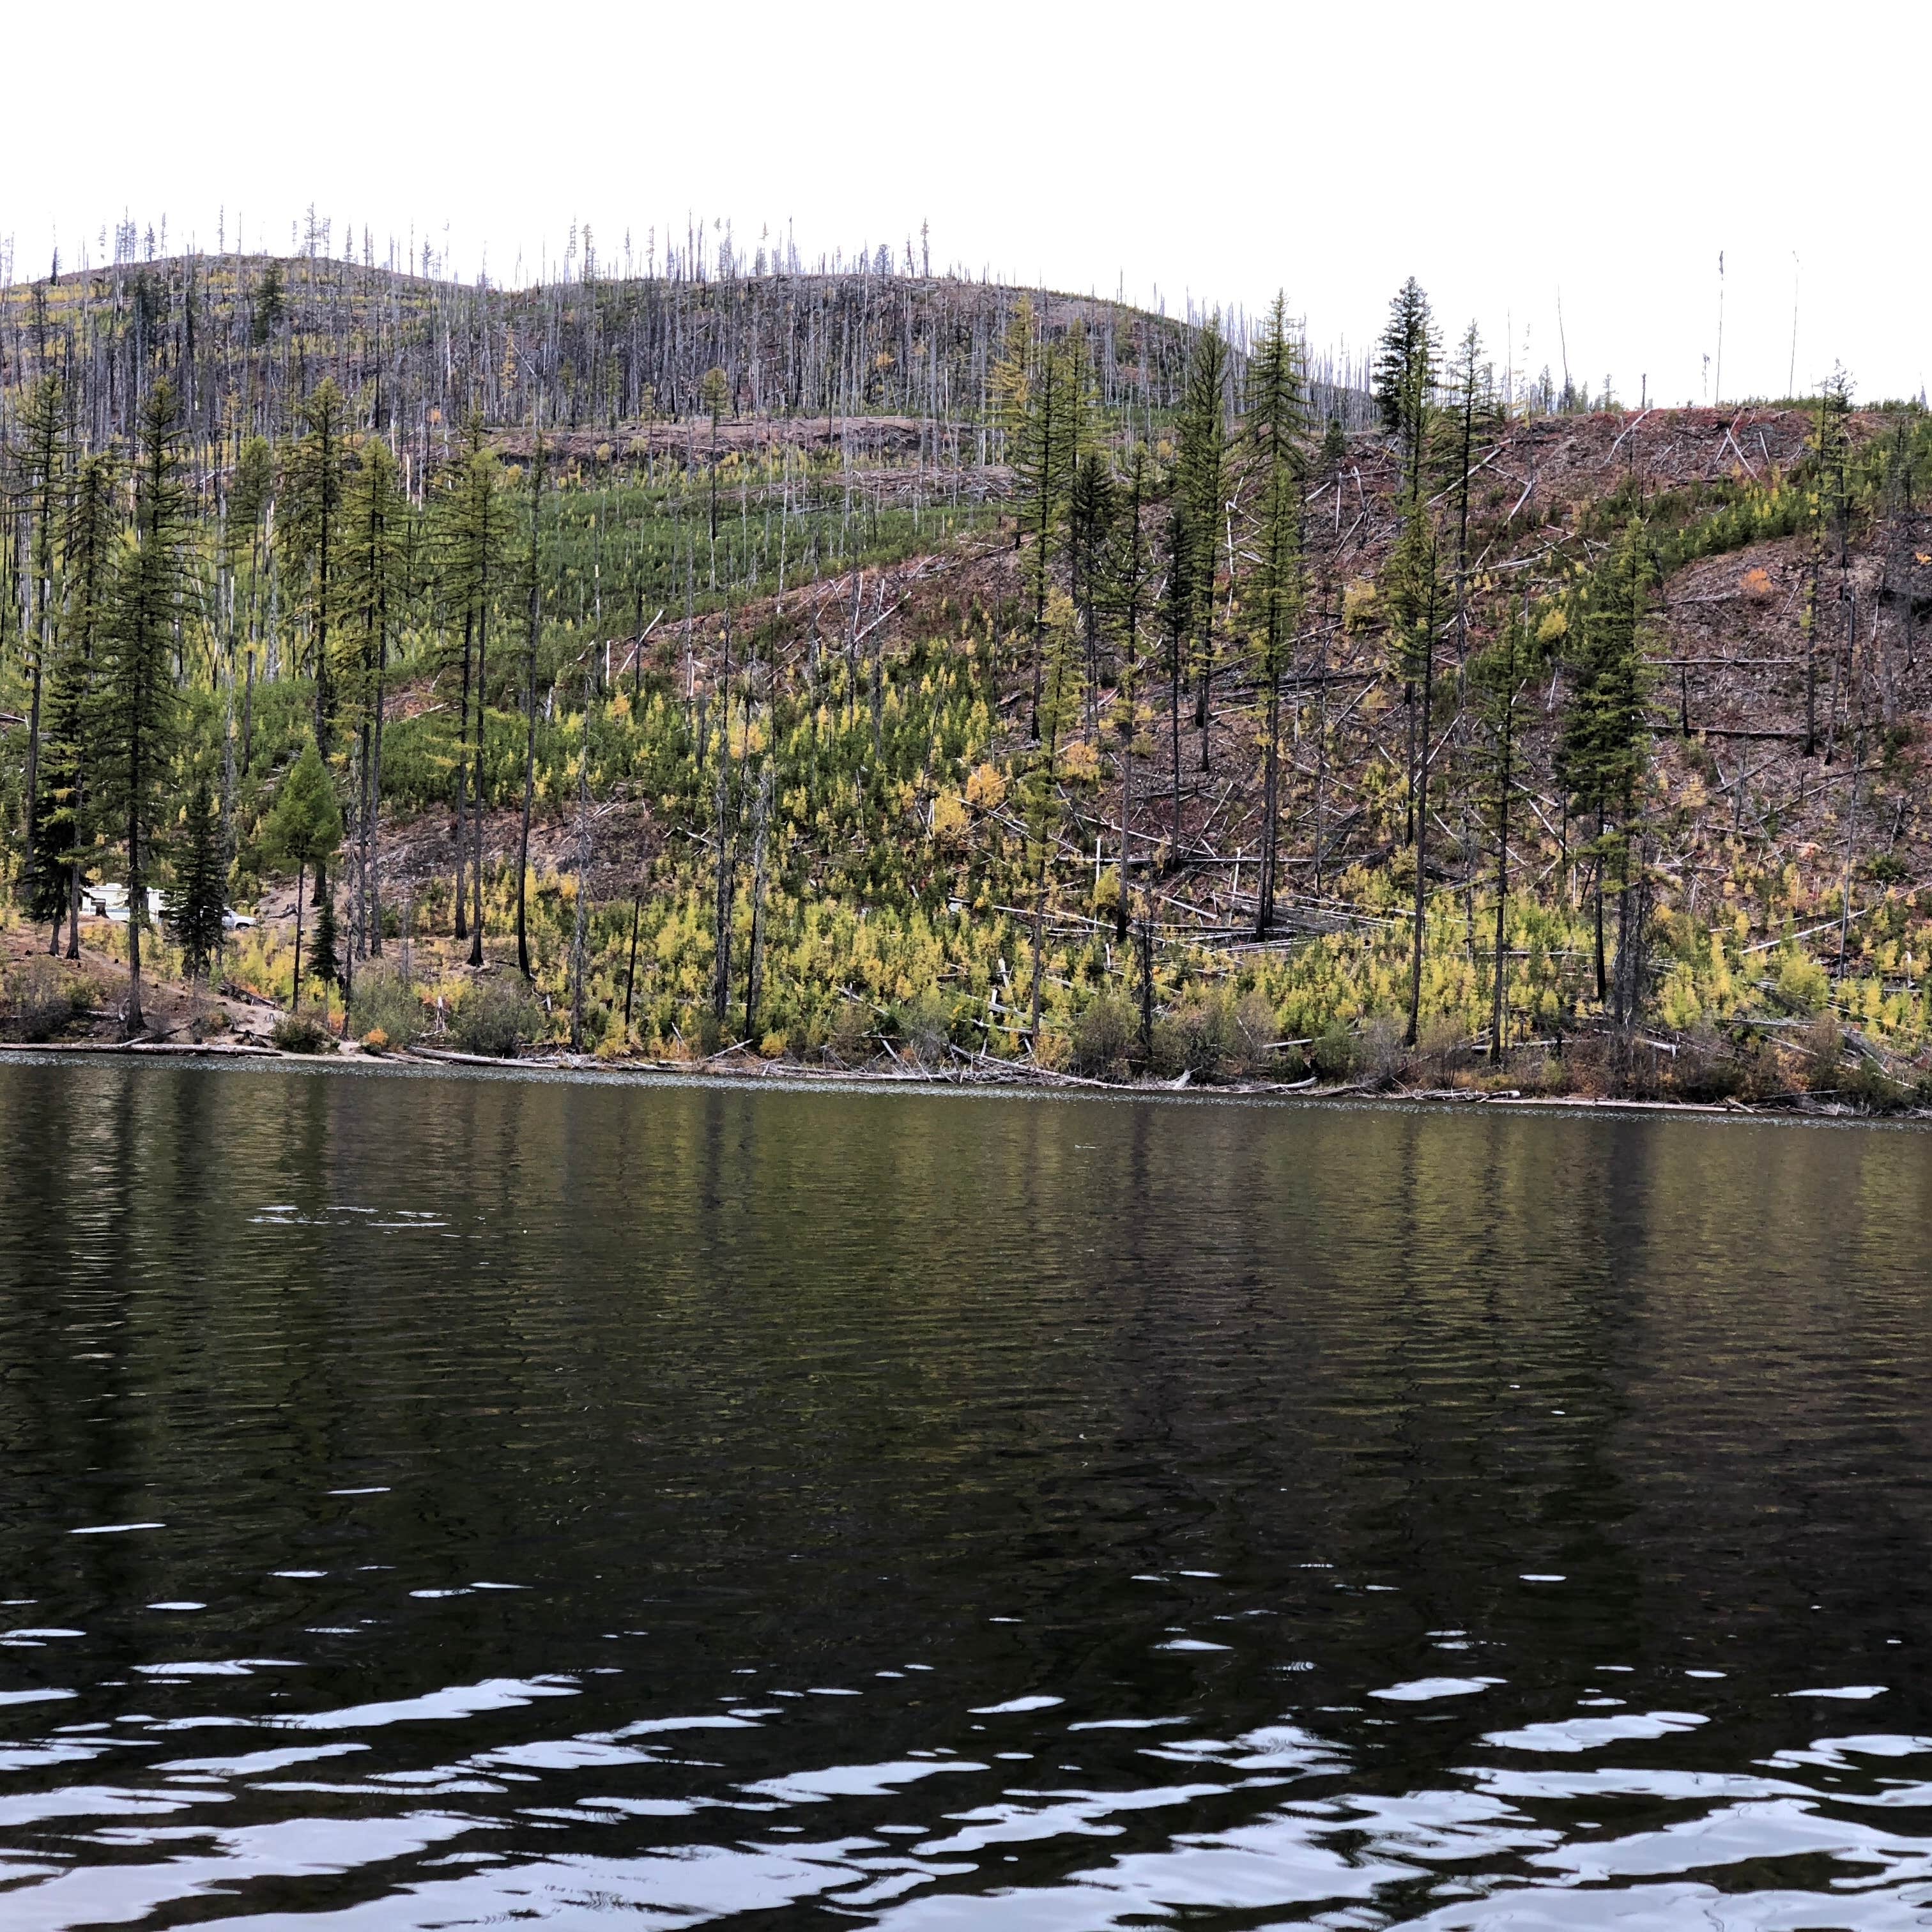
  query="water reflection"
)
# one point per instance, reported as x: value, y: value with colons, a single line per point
x: 427, y: 1501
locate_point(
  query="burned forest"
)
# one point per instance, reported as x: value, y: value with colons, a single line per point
x: 717, y: 657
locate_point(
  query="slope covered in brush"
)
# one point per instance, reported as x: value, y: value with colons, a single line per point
x: 840, y: 663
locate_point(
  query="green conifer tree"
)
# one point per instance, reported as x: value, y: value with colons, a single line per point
x: 137, y: 704
x: 1414, y: 603
x: 267, y: 306
x: 303, y: 828
x: 1472, y: 415
x: 55, y: 893
x: 312, y: 536
x: 1178, y: 604
x: 1277, y: 427
x: 534, y: 577
x: 1405, y: 377
x: 325, y: 958
x: 250, y: 494
x: 1606, y: 724
x: 1129, y: 571
x: 1091, y: 508
x: 194, y: 910
x: 1409, y: 595
x: 1059, y: 719
x: 1499, y: 681
x: 1049, y: 428
x: 374, y: 591
x: 1202, y: 493
x: 41, y: 436
x: 92, y: 538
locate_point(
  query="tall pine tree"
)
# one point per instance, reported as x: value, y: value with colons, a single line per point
x: 303, y: 829
x: 1129, y: 567
x: 92, y: 541
x: 1092, y: 506
x: 43, y: 439
x: 1049, y: 427
x: 1499, y: 680
x: 1413, y: 602
x: 1201, y: 496
x: 472, y: 544
x: 1405, y: 377
x: 374, y: 588
x: 312, y: 535
x: 1277, y: 429
x: 535, y: 581
x: 195, y: 907
x: 1059, y: 717
x: 324, y: 951
x: 137, y: 703
x: 1606, y: 726
x: 1472, y: 415
x: 1178, y: 604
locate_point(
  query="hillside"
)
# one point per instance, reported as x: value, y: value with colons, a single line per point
x: 835, y: 656
x: 249, y: 336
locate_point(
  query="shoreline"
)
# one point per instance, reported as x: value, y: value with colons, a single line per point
x: 586, y: 1069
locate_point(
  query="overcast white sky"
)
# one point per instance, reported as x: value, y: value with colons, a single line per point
x: 1505, y: 154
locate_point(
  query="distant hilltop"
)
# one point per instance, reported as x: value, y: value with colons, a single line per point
x: 583, y: 353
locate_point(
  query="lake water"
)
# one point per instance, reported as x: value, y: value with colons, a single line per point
x: 430, y: 1502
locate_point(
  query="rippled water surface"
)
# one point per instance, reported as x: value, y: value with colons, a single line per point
x: 432, y: 1502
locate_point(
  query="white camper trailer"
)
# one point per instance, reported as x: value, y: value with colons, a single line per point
x: 110, y: 901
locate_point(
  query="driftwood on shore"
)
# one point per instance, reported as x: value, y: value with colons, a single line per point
x: 977, y: 1070
x: 189, y: 1049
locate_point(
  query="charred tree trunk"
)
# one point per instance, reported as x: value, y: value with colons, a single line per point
x: 530, y: 712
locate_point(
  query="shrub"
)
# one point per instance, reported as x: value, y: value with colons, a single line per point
x: 498, y: 1016
x: 1080, y: 762
x: 1710, y: 1067
x: 951, y: 820
x: 1257, y: 1027
x: 925, y: 1027
x: 1705, y: 1068
x: 1801, y: 983
x: 985, y: 789
x: 302, y: 1033
x: 1552, y: 1076
x: 846, y: 1041
x: 1633, y: 1067
x: 44, y: 998
x: 1199, y: 1038
x: 1763, y: 1072
x: 1869, y: 1086
x: 1333, y: 1055
x: 1103, y: 1038
x: 1380, y: 1054
x: 1444, y: 1041
x: 1824, y: 1055
x: 384, y: 1002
